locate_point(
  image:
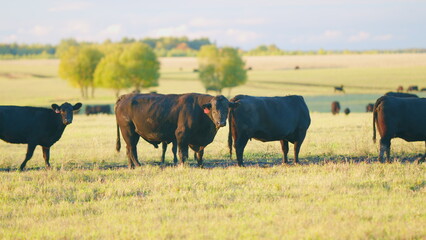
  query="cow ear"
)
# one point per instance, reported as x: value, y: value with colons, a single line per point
x: 234, y: 104
x: 56, y: 108
x: 77, y: 106
x: 207, y: 107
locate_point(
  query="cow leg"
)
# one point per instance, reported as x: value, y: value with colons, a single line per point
x: 182, y: 142
x: 424, y: 156
x: 30, y: 151
x: 174, y: 150
x: 284, y: 147
x: 384, y: 146
x: 132, y: 154
x: 297, y: 144
x: 199, y: 156
x: 183, y: 153
x: 163, y: 155
x: 46, y: 156
x: 239, y: 146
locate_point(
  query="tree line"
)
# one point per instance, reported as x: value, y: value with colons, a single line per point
x: 135, y: 65
x: 173, y: 47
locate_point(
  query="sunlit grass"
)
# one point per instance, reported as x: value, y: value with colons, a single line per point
x: 339, y: 191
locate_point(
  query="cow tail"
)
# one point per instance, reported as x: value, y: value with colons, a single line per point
x: 118, y: 144
x: 230, y: 133
x: 375, y: 117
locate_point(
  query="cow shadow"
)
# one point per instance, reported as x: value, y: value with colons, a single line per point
x: 225, y: 163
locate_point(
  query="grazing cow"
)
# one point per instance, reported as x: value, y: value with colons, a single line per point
x: 369, y: 107
x: 284, y: 119
x: 399, y: 117
x: 400, y: 89
x: 185, y: 119
x: 97, y: 109
x: 339, y: 89
x: 347, y: 111
x: 401, y: 95
x: 335, y: 107
x: 412, y: 88
x: 35, y: 126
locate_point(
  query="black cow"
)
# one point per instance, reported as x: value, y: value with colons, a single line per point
x: 399, y: 117
x: 369, y: 107
x: 187, y: 119
x: 35, y: 126
x: 412, y: 88
x: 97, y: 109
x: 339, y: 89
x: 401, y: 95
x: 284, y: 119
x: 335, y: 107
x: 347, y: 111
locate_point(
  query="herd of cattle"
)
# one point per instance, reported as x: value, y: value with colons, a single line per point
x: 192, y: 121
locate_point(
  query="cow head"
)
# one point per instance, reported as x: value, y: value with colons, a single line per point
x: 66, y: 111
x: 217, y: 110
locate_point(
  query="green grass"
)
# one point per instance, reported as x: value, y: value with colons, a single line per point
x: 339, y: 191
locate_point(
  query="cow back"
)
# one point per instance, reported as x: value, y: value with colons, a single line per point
x: 270, y: 118
x: 40, y: 126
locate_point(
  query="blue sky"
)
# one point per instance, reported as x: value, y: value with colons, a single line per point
x: 291, y: 25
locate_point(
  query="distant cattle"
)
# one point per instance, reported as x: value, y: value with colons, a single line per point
x: 423, y: 89
x: 284, y: 119
x: 335, y: 107
x: 400, y: 89
x: 249, y: 68
x: 399, y: 117
x: 195, y: 70
x: 401, y: 95
x: 296, y: 68
x: 339, y: 89
x: 98, y: 109
x: 347, y: 111
x: 187, y: 119
x: 412, y: 88
x: 369, y: 107
x: 35, y: 126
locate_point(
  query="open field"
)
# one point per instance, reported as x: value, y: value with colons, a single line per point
x: 339, y: 191
x: 364, y: 77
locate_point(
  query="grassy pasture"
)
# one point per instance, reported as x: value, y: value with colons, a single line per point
x: 338, y: 192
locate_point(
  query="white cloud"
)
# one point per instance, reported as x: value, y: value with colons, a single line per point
x: 112, y: 30
x: 77, y: 27
x: 359, y: 37
x: 9, y: 38
x: 326, y: 36
x: 181, y: 30
x: 250, y: 21
x: 70, y: 6
x: 204, y: 22
x: 40, y: 30
x: 241, y: 36
x: 386, y: 37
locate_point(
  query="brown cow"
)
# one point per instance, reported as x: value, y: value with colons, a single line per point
x: 369, y: 107
x: 284, y: 119
x: 335, y: 107
x: 399, y: 117
x: 187, y: 119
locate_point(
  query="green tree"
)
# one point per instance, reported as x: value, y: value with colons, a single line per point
x: 141, y: 65
x: 110, y: 73
x: 221, y: 68
x: 77, y: 65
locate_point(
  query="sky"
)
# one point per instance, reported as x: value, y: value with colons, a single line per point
x: 291, y: 25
